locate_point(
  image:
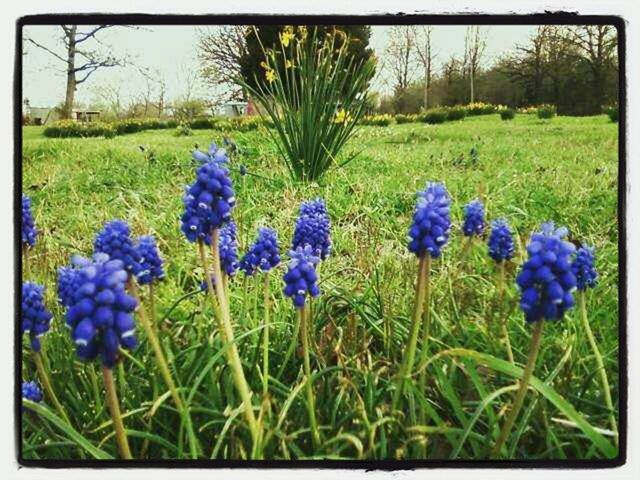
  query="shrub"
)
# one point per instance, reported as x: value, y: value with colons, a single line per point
x: 507, y: 114
x: 546, y: 111
x: 203, y: 123
x: 314, y: 102
x: 130, y: 125
x: 402, y: 118
x: 183, y: 130
x: 480, y: 108
x: 456, y: 113
x: 434, y: 116
x: 612, y: 111
x: 377, y: 120
x: 70, y: 128
x: 245, y: 124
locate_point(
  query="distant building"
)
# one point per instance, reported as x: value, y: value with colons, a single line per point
x: 232, y: 109
x: 85, y: 115
x: 44, y: 115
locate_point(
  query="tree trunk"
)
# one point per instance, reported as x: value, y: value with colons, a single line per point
x: 71, y: 73
x: 472, y: 93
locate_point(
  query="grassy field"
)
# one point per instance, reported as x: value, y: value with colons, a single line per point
x: 527, y: 170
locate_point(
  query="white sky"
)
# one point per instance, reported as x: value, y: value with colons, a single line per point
x: 173, y: 51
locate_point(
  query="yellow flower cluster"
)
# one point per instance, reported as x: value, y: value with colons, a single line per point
x: 342, y: 116
x: 269, y: 74
x: 286, y: 36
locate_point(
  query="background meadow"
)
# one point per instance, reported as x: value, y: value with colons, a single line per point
x: 527, y: 170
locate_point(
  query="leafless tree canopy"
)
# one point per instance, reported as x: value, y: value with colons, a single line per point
x: 475, y: 44
x: 220, y: 50
x: 81, y: 58
x: 400, y: 56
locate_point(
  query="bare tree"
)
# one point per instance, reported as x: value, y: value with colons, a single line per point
x: 597, y: 46
x: 220, y: 50
x: 155, y: 90
x: 80, y: 59
x: 426, y: 57
x: 400, y: 54
x: 475, y: 44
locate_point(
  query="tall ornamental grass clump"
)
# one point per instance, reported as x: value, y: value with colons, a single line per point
x: 315, y: 93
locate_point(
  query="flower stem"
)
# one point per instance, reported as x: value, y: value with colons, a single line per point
x: 604, y: 382
x: 534, y: 348
x: 221, y: 310
x: 152, y: 307
x: 502, y: 318
x: 424, y: 265
x: 114, y: 408
x: 163, y: 366
x: 304, y: 337
x: 265, y: 337
x: 46, y: 383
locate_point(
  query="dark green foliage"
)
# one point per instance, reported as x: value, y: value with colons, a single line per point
x: 434, y: 116
x: 69, y: 128
x: 612, y: 112
x: 401, y: 118
x: 456, y: 113
x: 546, y: 111
x: 507, y: 114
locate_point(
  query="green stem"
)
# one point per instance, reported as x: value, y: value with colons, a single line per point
x: 221, y: 310
x: 534, y: 348
x: 265, y: 337
x: 304, y: 337
x: 407, y: 365
x: 46, y: 383
x: 502, y: 318
x: 292, y: 347
x: 604, y: 382
x: 163, y: 366
x: 114, y: 408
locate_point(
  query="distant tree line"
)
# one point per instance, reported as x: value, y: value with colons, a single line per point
x: 574, y: 68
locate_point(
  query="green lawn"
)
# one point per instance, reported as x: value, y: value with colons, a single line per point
x: 529, y: 171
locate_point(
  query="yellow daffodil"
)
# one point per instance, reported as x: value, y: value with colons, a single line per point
x: 286, y: 36
x: 270, y: 75
x: 288, y: 63
x: 342, y: 116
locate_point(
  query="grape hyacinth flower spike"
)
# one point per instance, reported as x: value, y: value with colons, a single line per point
x: 100, y: 317
x: 263, y: 255
x: 501, y: 249
x: 428, y: 234
x: 208, y: 203
x: 29, y: 231
x: 313, y: 228
x: 151, y: 263
x: 31, y: 391
x: 36, y: 319
x: 228, y: 251
x: 547, y: 284
x: 213, y: 154
x: 473, y: 219
x: 115, y: 241
x: 301, y: 281
x: 583, y: 267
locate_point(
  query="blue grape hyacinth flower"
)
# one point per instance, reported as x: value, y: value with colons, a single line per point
x: 213, y: 153
x: 115, y: 241
x: 301, y: 277
x: 546, y: 280
x: 431, y: 225
x: 208, y: 202
x: 29, y: 231
x: 584, y: 269
x: 31, y: 391
x: 473, y: 218
x: 313, y: 228
x: 263, y: 255
x: 501, y: 246
x: 150, y: 260
x: 228, y: 248
x: 36, y: 319
x: 100, y: 313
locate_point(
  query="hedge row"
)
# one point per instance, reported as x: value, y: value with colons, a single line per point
x: 69, y: 128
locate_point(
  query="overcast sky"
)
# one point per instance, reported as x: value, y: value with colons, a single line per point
x: 172, y: 50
